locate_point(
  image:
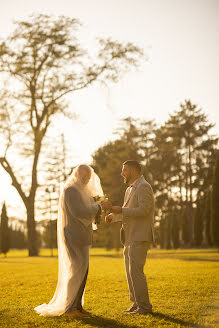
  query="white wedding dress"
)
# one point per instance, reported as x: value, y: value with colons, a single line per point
x: 71, y: 267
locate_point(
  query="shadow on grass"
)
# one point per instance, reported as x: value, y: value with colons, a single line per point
x: 151, y: 256
x: 173, y: 320
x: 93, y: 321
x: 50, y: 256
x: 198, y: 259
x: 188, y: 251
x: 16, y: 262
x: 106, y: 322
x: 107, y: 255
x: 8, y: 259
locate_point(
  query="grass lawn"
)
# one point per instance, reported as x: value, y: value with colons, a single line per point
x: 183, y: 287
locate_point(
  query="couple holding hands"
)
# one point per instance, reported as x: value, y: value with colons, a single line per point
x: 77, y: 213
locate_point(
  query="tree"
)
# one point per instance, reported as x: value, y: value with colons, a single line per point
x: 207, y: 216
x: 215, y: 205
x: 177, y: 167
x: 49, y: 236
x: 5, y: 238
x: 175, y: 229
x: 17, y: 239
x: 54, y: 173
x: 162, y: 233
x: 108, y: 161
x: 43, y: 61
x: 184, y: 151
x: 168, y: 223
x: 198, y: 222
x: 196, y: 146
x: 185, y: 227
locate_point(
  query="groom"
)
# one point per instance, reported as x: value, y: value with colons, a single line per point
x: 137, y: 233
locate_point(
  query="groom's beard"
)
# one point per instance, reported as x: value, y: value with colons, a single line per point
x: 126, y: 180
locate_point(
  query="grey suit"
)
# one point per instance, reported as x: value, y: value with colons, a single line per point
x: 75, y: 208
x: 136, y: 234
x: 76, y: 233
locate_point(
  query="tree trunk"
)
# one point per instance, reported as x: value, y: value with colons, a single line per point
x: 32, y: 235
x: 31, y: 224
x: 190, y: 176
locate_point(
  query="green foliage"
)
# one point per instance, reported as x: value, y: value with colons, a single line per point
x: 177, y: 161
x: 108, y: 161
x: 49, y: 236
x: 17, y: 239
x: 215, y: 205
x: 182, y: 159
x: 175, y: 229
x: 185, y: 227
x: 198, y: 222
x: 168, y: 223
x: 182, y: 287
x: 207, y: 217
x: 162, y: 238
x: 107, y: 235
x: 4, y: 230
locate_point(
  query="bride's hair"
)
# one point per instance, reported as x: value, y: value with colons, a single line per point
x: 82, y: 168
x: 93, y: 187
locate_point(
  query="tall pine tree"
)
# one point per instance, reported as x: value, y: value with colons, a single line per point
x: 215, y: 205
x: 207, y: 217
x: 198, y: 223
x: 185, y: 152
x: 175, y: 229
x: 5, y: 241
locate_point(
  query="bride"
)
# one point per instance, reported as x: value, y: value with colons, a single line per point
x: 77, y: 210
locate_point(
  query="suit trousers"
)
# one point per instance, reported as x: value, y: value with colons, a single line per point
x: 77, y: 304
x: 135, y: 259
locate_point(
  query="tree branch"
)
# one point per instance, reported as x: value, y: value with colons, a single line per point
x: 15, y: 183
x: 65, y: 93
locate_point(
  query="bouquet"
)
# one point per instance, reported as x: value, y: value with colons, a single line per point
x: 100, y: 215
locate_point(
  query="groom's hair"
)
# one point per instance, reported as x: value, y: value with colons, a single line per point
x: 133, y: 164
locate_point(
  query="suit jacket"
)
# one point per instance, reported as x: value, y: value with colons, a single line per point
x: 74, y: 208
x: 138, y: 213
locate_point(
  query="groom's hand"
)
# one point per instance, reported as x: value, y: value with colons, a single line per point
x: 116, y: 209
x: 109, y: 218
x: 106, y: 205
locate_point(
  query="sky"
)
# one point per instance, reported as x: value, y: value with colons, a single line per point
x: 181, y: 41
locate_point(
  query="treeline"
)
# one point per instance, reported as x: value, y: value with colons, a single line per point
x: 13, y: 236
x: 10, y: 237
x: 179, y: 161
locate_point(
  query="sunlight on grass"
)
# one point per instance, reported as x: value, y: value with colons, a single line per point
x: 182, y: 284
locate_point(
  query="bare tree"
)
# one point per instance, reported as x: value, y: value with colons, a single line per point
x: 43, y: 61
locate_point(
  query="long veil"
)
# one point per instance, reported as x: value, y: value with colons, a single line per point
x: 71, y: 269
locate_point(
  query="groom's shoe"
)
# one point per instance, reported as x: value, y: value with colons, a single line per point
x: 76, y: 314
x: 132, y: 308
x: 140, y: 311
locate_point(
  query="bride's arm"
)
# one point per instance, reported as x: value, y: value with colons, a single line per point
x: 77, y: 207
